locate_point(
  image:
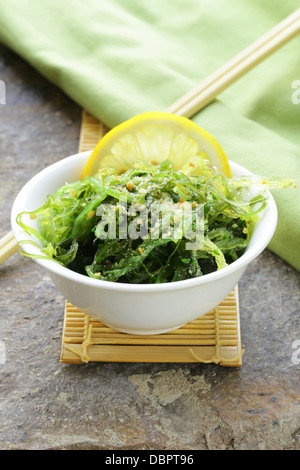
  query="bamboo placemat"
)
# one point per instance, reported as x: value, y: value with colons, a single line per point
x: 91, y: 131
x: 212, y: 338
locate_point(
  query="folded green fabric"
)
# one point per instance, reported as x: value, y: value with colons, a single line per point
x: 118, y: 58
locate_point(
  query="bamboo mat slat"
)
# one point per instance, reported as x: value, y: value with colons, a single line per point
x: 212, y: 338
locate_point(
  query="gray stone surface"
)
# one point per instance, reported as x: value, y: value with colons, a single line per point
x: 48, y: 405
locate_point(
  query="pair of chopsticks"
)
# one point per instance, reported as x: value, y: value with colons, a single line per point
x: 8, y: 246
x: 204, y: 93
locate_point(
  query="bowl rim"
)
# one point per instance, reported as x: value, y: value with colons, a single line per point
x: 250, y: 254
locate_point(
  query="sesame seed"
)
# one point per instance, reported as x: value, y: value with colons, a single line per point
x: 130, y: 185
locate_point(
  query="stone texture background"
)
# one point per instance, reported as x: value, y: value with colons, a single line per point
x: 48, y: 405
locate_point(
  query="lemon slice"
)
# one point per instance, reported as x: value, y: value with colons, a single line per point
x: 154, y: 137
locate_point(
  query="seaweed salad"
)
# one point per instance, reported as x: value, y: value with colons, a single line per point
x: 150, y: 224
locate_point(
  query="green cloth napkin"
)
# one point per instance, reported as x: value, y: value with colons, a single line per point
x: 119, y: 58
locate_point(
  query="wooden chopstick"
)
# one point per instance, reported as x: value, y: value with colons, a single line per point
x: 8, y: 246
x: 204, y: 93
x: 212, y: 86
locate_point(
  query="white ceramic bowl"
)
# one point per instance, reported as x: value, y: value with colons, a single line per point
x: 130, y: 308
